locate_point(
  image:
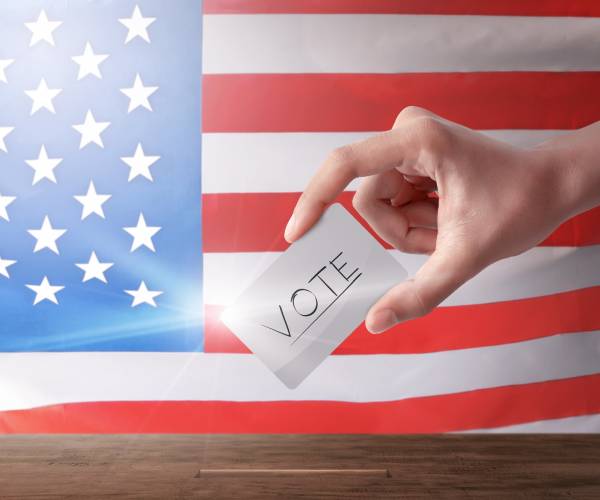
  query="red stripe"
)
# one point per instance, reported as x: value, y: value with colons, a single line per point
x: 474, y: 7
x: 359, y: 102
x: 484, y: 408
x: 457, y: 327
x: 254, y: 222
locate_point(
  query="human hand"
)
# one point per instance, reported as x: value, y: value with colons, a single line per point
x: 493, y: 201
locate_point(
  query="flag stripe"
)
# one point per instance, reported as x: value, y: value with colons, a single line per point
x: 486, y: 408
x: 447, y: 328
x: 53, y: 378
x: 284, y: 162
x: 537, y: 272
x: 448, y: 7
x: 348, y: 102
x: 254, y: 222
x: 308, y: 43
x: 273, y: 111
x: 584, y: 424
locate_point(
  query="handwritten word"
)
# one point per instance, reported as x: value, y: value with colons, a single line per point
x: 319, y: 289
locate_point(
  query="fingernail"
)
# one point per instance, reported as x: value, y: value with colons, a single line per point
x: 381, y: 321
x: 289, y: 229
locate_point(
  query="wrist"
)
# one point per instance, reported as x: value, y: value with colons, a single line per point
x: 572, y: 174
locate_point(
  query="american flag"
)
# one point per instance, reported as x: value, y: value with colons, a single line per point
x: 100, y: 106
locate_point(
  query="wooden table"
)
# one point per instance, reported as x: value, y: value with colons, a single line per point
x: 300, y: 466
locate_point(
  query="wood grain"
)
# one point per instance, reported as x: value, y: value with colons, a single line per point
x: 300, y: 466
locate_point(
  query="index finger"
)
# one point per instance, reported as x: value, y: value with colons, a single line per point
x: 370, y: 156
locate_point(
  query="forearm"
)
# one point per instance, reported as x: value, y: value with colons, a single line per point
x: 575, y: 158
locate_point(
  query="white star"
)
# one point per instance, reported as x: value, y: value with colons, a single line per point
x: 92, y: 202
x: 42, y: 97
x: 4, y: 131
x: 143, y: 296
x: 4, y: 265
x: 142, y: 234
x: 4, y: 63
x: 44, y: 167
x: 138, y: 94
x: 90, y: 131
x: 95, y: 269
x: 140, y: 164
x: 137, y: 25
x: 45, y: 291
x: 4, y: 202
x: 89, y: 62
x: 42, y: 29
x: 46, y: 236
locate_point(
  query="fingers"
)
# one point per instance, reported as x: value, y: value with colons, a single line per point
x: 399, y: 148
x: 442, y: 274
x: 412, y: 112
x: 421, y: 183
x: 376, y: 154
x: 385, y: 202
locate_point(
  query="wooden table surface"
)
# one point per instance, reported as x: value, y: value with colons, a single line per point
x: 300, y: 466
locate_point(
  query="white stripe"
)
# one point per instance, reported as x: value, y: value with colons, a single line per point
x: 585, y: 424
x: 38, y: 379
x: 373, y: 43
x: 540, y: 271
x: 284, y: 162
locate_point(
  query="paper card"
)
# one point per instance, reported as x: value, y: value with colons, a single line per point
x: 313, y: 296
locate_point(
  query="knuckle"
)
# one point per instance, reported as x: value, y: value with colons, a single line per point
x: 401, y: 245
x: 434, y: 135
x: 358, y: 201
x: 401, y: 242
x: 342, y: 158
x: 422, y: 307
x: 363, y: 202
x: 409, y: 112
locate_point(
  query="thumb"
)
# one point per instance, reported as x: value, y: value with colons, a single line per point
x: 442, y: 274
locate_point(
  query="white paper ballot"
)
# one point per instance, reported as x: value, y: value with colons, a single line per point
x: 313, y: 296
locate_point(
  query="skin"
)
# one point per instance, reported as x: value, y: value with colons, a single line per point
x: 492, y: 200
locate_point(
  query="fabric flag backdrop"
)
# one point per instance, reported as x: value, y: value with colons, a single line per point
x: 283, y: 82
